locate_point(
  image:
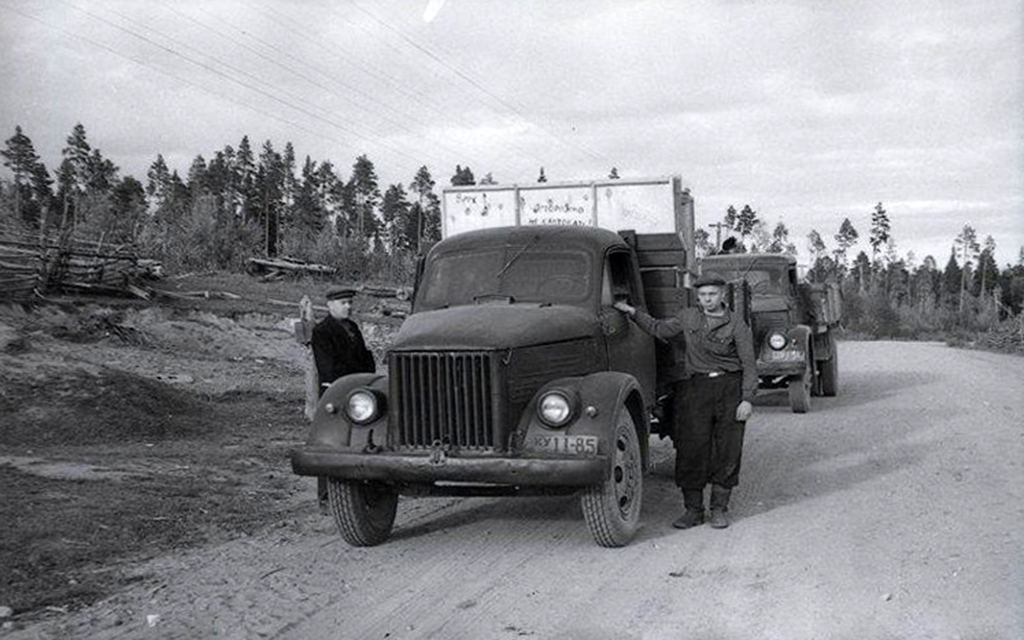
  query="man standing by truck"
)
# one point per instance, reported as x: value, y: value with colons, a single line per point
x: 721, y: 372
x: 338, y: 350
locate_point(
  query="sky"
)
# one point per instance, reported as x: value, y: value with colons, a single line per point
x: 808, y: 111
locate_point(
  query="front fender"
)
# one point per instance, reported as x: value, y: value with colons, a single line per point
x: 331, y: 427
x: 600, y: 396
x: 800, y: 335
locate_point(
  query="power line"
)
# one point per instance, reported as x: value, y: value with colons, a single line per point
x: 284, y: 20
x: 227, y: 77
x: 298, y: 74
x: 458, y: 72
x: 376, y: 103
x: 167, y: 73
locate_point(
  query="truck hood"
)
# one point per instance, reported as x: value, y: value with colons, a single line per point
x: 482, y: 327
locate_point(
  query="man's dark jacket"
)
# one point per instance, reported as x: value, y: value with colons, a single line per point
x: 339, y: 349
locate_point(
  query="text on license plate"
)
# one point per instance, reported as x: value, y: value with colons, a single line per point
x: 574, y: 445
x: 786, y: 356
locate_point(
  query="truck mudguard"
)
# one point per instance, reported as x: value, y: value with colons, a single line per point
x: 801, y: 335
x: 331, y: 425
x: 595, y: 400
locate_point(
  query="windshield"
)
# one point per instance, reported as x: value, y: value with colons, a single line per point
x: 560, y: 276
x: 760, y: 280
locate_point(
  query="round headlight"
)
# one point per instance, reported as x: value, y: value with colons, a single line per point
x: 777, y: 341
x: 361, y: 406
x: 554, y: 409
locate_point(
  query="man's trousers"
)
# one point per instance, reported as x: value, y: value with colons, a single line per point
x: 708, y: 438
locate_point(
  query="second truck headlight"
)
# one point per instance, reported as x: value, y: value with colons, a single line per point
x: 777, y: 341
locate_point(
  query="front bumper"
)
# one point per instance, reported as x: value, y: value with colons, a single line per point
x: 410, y: 468
x: 769, y: 369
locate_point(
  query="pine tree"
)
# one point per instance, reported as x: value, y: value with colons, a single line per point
x: 988, y: 270
x: 158, y: 182
x: 967, y: 241
x: 128, y: 202
x: 330, y: 191
x: 245, y: 181
x: 395, y: 211
x: 21, y: 158
x: 42, y: 195
x: 880, y: 230
x: 821, y: 265
x: 730, y: 217
x: 101, y: 174
x: 288, y: 170
x: 426, y: 210
x: 366, y: 195
x: 845, y: 239
x: 745, y: 222
x: 780, y: 240
x: 309, y: 209
x: 815, y: 245
x: 951, y: 276
x: 861, y: 267
x: 197, y: 178
x: 268, y: 191
x: 74, y: 173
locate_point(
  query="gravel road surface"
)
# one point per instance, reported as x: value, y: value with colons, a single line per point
x: 892, y: 511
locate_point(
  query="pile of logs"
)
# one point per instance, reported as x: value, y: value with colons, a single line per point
x: 275, y: 268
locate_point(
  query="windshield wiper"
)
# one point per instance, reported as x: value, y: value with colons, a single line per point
x: 517, y: 254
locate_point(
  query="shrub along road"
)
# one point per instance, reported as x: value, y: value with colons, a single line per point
x: 893, y: 510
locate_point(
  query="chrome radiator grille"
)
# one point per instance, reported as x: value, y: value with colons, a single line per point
x: 445, y: 397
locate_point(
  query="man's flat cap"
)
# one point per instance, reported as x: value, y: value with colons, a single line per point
x: 708, y: 279
x: 340, y: 293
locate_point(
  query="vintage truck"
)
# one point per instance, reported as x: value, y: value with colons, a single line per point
x: 793, y: 323
x: 513, y: 374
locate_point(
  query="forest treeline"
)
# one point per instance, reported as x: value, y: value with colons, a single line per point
x: 243, y: 202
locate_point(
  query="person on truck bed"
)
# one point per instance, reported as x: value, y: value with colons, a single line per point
x: 338, y: 350
x: 721, y: 372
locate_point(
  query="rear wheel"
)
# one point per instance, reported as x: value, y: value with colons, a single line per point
x: 800, y: 390
x: 363, y: 511
x: 612, y: 508
x: 830, y: 370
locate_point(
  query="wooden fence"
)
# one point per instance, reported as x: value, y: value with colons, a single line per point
x: 31, y: 265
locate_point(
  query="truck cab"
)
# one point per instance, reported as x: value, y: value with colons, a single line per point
x: 513, y: 374
x: 793, y: 324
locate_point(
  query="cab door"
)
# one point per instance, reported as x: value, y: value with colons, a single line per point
x: 630, y: 350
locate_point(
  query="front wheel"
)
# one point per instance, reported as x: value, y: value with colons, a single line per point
x: 363, y: 511
x: 612, y: 508
x: 830, y: 371
x: 800, y: 391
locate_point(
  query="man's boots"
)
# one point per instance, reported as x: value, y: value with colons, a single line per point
x: 719, y: 506
x: 693, y: 501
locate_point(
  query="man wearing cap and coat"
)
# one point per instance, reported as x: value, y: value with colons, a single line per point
x: 338, y: 346
x: 721, y: 381
x: 338, y: 350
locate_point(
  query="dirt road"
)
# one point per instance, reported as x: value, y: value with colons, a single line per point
x: 892, y: 511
